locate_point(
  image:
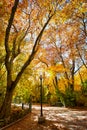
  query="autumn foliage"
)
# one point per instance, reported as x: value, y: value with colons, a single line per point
x: 48, y: 36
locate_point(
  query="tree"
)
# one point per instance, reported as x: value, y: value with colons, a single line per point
x: 14, y: 37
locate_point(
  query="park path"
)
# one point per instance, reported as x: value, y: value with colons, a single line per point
x: 56, y: 119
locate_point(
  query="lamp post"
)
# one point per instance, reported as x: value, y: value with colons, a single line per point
x: 41, y: 95
x: 41, y: 118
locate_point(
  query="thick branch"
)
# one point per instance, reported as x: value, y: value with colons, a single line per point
x: 84, y: 24
x: 7, y: 34
x: 9, y: 25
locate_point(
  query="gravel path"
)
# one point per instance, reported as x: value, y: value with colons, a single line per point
x: 56, y: 119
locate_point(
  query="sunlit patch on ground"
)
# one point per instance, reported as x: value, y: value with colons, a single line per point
x: 56, y: 119
x: 66, y: 118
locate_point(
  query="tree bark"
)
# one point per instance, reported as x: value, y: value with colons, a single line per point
x: 6, y: 107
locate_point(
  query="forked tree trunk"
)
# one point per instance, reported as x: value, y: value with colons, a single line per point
x: 6, y: 106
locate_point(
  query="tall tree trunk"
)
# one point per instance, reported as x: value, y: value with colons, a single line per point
x: 72, y: 75
x: 6, y: 106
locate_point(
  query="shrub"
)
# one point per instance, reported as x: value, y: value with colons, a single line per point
x: 16, y: 114
x: 70, y: 98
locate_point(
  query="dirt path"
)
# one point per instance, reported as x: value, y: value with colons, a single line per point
x: 56, y: 119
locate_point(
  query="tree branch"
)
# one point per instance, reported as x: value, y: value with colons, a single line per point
x: 81, y: 56
x: 34, y: 50
x: 9, y: 25
x: 6, y: 42
x: 43, y: 62
x: 8, y: 33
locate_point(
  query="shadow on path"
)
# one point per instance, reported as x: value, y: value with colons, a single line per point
x: 56, y: 119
